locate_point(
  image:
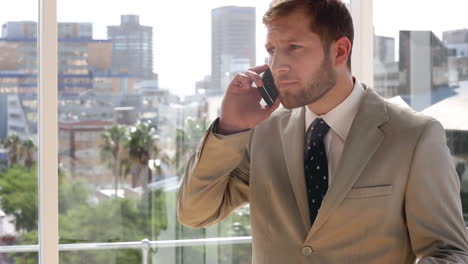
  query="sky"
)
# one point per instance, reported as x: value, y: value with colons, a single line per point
x: 182, y: 29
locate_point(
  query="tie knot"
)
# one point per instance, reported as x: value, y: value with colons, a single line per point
x: 318, y: 129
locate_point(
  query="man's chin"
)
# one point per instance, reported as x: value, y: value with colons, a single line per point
x: 291, y: 104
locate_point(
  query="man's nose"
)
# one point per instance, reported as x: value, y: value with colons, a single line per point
x: 278, y: 64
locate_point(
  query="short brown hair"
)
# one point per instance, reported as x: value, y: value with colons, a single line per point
x: 331, y: 19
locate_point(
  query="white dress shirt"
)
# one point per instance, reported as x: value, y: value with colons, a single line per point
x: 340, y: 120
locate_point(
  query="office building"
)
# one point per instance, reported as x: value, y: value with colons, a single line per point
x: 423, y: 68
x: 386, y: 75
x: 233, y: 44
x: 384, y: 49
x: 19, y: 29
x: 132, y: 47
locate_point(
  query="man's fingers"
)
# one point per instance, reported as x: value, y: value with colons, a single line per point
x: 272, y: 108
x: 241, y: 81
x: 259, y: 69
x: 277, y: 103
x: 254, y: 77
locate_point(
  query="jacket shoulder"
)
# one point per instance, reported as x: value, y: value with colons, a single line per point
x: 406, y: 119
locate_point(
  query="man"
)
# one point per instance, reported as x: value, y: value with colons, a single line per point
x: 338, y: 175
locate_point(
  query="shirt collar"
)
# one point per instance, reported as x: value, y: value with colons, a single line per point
x: 341, y: 117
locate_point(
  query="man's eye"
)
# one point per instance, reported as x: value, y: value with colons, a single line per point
x: 295, y: 47
x: 271, y: 50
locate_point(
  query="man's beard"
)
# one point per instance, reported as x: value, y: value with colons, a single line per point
x: 324, y: 79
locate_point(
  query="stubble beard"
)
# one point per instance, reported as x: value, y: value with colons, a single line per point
x: 324, y: 79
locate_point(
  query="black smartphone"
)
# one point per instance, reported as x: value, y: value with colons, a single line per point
x: 268, y: 91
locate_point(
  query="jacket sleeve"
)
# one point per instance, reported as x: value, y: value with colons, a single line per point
x: 216, y: 180
x: 433, y: 205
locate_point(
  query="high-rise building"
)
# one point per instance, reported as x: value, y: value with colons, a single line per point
x: 18, y: 47
x: 132, y: 47
x: 3, y: 116
x: 79, y: 61
x: 83, y: 62
x: 423, y: 67
x: 386, y: 75
x: 457, y: 40
x: 19, y: 29
x: 28, y: 30
x: 18, y: 55
x: 22, y: 116
x: 455, y: 36
x: 384, y: 49
x: 232, y: 44
x: 19, y: 44
x: 80, y: 58
x: 75, y: 30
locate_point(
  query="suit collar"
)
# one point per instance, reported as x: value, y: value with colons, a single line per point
x: 341, y: 117
x: 363, y: 140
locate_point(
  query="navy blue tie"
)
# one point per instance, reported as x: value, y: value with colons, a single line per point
x: 316, y: 166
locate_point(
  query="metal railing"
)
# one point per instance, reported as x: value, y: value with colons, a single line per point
x: 144, y: 245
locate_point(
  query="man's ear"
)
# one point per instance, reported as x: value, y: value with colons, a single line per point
x: 341, y: 51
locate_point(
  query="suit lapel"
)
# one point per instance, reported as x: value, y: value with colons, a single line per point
x: 363, y: 140
x: 293, y: 145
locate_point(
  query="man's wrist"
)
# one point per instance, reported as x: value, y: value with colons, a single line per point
x: 226, y: 129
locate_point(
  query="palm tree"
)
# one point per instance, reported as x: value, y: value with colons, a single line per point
x: 27, y: 150
x: 113, y: 151
x: 13, y: 142
x: 143, y: 147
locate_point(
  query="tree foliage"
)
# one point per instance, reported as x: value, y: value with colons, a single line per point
x: 80, y: 219
x: 18, y: 196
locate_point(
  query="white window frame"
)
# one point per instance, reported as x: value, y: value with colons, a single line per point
x: 362, y: 64
x: 362, y: 59
x: 48, y: 133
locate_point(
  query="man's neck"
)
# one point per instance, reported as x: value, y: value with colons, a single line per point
x: 334, y: 97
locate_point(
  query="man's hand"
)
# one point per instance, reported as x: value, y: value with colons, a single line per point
x: 241, y: 108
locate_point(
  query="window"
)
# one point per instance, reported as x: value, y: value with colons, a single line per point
x: 18, y: 129
x: 112, y: 93
x: 122, y: 158
x: 416, y: 64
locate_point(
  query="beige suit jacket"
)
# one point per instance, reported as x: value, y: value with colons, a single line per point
x: 395, y: 196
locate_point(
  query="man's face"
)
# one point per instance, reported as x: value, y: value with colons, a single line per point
x: 302, y: 71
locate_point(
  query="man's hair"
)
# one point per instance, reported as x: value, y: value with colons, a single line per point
x: 330, y: 19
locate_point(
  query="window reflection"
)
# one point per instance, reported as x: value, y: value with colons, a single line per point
x: 422, y: 63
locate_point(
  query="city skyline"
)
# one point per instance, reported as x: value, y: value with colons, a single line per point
x: 155, y: 131
x: 174, y: 38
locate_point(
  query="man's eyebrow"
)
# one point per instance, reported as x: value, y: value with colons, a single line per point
x: 293, y: 40
x: 286, y: 41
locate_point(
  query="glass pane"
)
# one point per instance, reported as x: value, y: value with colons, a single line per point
x: 138, y: 86
x: 30, y: 258
x: 422, y: 62
x: 18, y: 128
x: 239, y: 254
x: 102, y: 256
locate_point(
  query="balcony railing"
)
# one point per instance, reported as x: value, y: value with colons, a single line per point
x: 144, y: 245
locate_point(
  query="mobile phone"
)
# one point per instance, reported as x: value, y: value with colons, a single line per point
x: 268, y: 91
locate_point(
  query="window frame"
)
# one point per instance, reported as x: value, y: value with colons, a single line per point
x: 362, y: 61
x: 48, y: 229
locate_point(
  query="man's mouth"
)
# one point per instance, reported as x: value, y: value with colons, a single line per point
x: 286, y: 84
